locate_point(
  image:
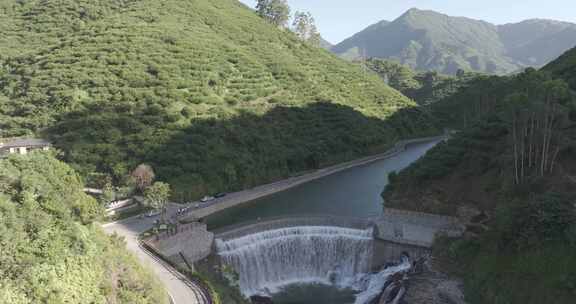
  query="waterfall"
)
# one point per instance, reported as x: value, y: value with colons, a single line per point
x: 372, y: 285
x: 270, y: 260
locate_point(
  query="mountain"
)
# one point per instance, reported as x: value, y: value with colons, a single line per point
x: 208, y: 93
x: 536, y: 42
x: 427, y: 40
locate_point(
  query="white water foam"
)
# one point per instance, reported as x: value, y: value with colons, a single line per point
x: 270, y: 260
x: 374, y: 283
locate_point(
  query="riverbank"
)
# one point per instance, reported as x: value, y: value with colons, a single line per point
x: 238, y: 198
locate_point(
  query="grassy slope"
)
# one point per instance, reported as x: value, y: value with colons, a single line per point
x: 200, y: 53
x: 206, y: 91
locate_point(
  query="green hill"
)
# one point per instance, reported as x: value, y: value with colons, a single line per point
x: 427, y: 40
x: 51, y: 251
x: 511, y: 181
x: 211, y: 95
x: 565, y: 67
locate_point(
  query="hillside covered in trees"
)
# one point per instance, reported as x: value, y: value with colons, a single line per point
x: 211, y: 95
x: 510, y: 175
x: 50, y: 251
x: 426, y: 88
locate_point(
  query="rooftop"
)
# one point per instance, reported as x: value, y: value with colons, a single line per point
x: 23, y: 142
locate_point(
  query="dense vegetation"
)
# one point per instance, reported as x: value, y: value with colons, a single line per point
x: 510, y: 175
x: 50, y: 252
x: 425, y: 88
x: 207, y: 92
x: 564, y: 68
x: 427, y: 40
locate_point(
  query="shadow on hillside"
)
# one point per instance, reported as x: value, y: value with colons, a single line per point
x: 227, y: 153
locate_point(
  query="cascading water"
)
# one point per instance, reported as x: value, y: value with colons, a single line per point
x: 270, y: 260
x: 372, y: 285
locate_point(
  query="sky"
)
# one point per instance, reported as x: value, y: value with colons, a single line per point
x: 340, y: 19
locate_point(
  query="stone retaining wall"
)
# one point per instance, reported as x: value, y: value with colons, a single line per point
x: 193, y: 240
x: 415, y: 228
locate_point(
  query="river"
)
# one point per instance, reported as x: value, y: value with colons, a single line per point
x: 352, y: 192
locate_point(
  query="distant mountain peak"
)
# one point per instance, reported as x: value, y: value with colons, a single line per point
x: 416, y: 12
x: 429, y: 40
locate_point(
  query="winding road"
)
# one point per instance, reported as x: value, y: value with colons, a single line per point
x: 180, y: 289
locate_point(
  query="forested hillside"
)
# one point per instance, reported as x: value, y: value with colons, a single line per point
x: 208, y: 93
x: 565, y: 68
x: 510, y: 175
x: 50, y: 252
x: 426, y: 88
x: 427, y: 40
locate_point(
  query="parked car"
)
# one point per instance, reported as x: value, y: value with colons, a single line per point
x: 221, y: 194
x: 207, y: 199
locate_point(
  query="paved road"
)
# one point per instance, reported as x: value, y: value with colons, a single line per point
x: 181, y: 291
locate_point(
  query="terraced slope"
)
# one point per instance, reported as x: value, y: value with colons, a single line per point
x: 204, y: 90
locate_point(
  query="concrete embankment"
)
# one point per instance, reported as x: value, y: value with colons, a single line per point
x: 238, y: 198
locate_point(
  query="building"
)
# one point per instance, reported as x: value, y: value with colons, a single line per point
x: 22, y: 145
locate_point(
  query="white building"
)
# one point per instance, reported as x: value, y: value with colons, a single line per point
x: 23, y: 145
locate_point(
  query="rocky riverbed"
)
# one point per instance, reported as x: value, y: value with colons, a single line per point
x: 433, y: 287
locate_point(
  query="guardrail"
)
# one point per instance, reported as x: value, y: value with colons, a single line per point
x: 201, y: 292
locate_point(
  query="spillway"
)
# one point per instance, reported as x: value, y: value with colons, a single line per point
x: 269, y: 260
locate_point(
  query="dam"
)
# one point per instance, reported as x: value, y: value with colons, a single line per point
x: 327, y: 239
x: 342, y: 252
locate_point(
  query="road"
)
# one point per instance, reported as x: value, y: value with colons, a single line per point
x: 180, y: 290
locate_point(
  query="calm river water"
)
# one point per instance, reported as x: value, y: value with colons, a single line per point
x: 352, y: 192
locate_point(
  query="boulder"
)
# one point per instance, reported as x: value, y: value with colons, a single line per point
x: 261, y: 300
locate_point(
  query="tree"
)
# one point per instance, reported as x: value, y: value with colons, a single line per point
x: 108, y: 194
x: 143, y: 176
x: 51, y: 251
x: 395, y: 74
x: 305, y: 28
x: 276, y: 12
x: 157, y: 196
x: 535, y: 118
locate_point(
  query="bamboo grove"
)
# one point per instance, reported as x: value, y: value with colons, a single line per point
x: 536, y: 115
